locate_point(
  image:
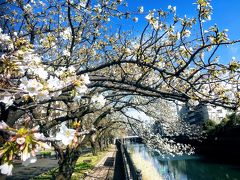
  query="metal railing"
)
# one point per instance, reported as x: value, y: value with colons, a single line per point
x: 131, y: 172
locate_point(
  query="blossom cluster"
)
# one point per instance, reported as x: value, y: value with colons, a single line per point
x: 5, y: 41
x: 27, y: 142
x: 98, y: 100
x: 166, y: 146
x: 37, y: 81
x: 29, y: 79
x: 22, y: 142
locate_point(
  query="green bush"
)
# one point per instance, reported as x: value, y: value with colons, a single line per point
x: 229, y: 122
x: 209, y: 125
x: 234, y: 119
x: 45, y: 153
x: 83, y: 166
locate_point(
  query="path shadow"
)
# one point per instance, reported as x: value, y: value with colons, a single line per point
x: 109, y: 162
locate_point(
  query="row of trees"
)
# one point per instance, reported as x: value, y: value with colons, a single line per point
x: 61, y: 62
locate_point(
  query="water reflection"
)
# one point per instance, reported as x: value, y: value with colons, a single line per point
x: 185, y: 167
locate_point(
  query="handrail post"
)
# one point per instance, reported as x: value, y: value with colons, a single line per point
x: 139, y: 174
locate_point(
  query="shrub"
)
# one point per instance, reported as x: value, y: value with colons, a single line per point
x: 209, y: 125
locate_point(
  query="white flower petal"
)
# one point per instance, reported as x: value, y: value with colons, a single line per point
x: 66, y: 141
x: 59, y: 136
x: 6, y: 169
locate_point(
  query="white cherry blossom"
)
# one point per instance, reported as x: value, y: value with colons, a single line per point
x: 193, y: 102
x: 85, y: 78
x: 6, y: 168
x: 66, y: 53
x: 155, y: 25
x: 5, y: 41
x: 43, y: 95
x: 28, y: 8
x: 32, y: 86
x: 82, y: 3
x: 187, y: 33
x: 54, y: 83
x: 7, y: 99
x: 20, y: 140
x: 82, y: 89
x: 66, y: 34
x: 30, y: 160
x: 99, y: 100
x: 65, y: 135
x: 140, y: 9
x: 25, y: 154
x: 149, y: 16
x: 72, y: 69
x: 135, y: 19
x: 41, y: 72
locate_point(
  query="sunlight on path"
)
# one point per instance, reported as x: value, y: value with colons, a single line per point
x: 104, y: 169
x: 147, y: 168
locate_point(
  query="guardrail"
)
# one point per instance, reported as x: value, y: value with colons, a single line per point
x: 130, y: 170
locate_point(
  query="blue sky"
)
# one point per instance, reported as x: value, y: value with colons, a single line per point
x: 226, y: 14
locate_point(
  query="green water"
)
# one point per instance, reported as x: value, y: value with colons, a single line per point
x: 186, y: 167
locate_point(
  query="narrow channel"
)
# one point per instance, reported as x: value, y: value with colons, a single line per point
x: 154, y: 167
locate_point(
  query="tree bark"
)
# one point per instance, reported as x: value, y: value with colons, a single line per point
x: 104, y: 143
x: 92, y: 139
x: 93, y: 145
x: 100, y: 144
x: 67, y: 161
x: 107, y: 142
x: 67, y: 164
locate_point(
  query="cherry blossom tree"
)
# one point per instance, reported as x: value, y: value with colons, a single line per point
x: 61, y: 62
x: 156, y: 121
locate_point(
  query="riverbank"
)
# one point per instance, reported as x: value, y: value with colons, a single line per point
x: 182, y: 167
x: 146, y: 167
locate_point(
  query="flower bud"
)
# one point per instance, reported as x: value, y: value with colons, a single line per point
x: 21, y: 140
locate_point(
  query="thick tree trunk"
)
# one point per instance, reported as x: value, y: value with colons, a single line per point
x: 92, y: 140
x: 106, y: 142
x: 100, y: 144
x: 94, y: 150
x: 67, y: 164
x: 67, y: 161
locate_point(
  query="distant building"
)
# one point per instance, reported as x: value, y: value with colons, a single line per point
x: 201, y: 113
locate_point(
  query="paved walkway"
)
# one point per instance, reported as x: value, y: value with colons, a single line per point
x: 21, y: 172
x: 104, y: 170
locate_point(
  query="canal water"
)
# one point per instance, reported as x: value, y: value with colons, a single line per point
x: 154, y: 167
